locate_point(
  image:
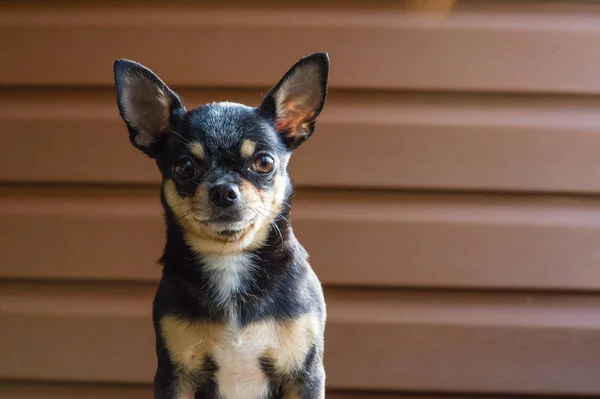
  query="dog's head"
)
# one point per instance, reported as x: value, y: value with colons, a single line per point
x: 224, y: 165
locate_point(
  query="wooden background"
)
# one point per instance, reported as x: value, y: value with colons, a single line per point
x: 449, y: 198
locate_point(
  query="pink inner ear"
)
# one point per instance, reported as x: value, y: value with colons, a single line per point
x: 292, y: 117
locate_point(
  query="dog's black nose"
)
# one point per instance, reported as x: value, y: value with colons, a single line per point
x: 224, y: 195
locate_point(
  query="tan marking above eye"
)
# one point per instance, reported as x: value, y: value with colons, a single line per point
x: 197, y: 150
x: 247, y: 149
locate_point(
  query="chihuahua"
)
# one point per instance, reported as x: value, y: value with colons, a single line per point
x: 238, y: 312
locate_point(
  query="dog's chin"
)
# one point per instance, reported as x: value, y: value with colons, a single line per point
x: 229, y: 228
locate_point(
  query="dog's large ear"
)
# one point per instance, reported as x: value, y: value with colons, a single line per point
x: 146, y: 104
x: 295, y: 102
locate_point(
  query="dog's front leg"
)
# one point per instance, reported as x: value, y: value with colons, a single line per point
x: 310, y: 385
x: 169, y: 385
x: 170, y: 382
x: 313, y: 386
x: 166, y: 382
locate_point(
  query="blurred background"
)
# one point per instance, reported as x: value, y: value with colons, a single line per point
x: 448, y: 199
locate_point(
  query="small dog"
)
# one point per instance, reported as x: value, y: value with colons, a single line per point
x: 238, y: 313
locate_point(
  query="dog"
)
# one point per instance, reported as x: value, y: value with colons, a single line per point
x: 238, y: 312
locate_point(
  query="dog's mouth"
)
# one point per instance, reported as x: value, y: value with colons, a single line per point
x: 226, y: 226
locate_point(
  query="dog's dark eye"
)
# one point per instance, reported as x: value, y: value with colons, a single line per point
x: 263, y: 164
x: 184, y: 169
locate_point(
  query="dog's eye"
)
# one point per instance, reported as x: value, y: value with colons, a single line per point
x: 263, y: 164
x: 184, y: 169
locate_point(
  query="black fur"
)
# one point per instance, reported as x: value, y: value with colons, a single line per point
x: 282, y: 285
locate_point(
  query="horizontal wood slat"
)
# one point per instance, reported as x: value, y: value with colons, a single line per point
x: 79, y: 391
x: 354, y: 238
x: 24, y: 390
x: 419, y: 341
x: 395, y: 140
x: 458, y: 45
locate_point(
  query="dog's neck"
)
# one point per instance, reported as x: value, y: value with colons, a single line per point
x: 234, y: 285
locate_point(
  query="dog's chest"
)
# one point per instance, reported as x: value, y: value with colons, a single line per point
x: 239, y: 373
x: 238, y: 351
x: 228, y: 275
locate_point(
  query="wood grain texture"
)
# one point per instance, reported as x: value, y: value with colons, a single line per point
x: 26, y: 390
x: 354, y: 238
x: 80, y: 391
x: 473, y: 46
x: 448, y: 199
x: 363, y: 140
x: 413, y: 341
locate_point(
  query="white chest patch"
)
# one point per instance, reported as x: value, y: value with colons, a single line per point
x: 239, y: 374
x: 228, y: 274
x: 238, y: 355
x: 238, y: 352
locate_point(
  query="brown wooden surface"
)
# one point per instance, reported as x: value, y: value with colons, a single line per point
x: 374, y: 140
x: 448, y: 200
x: 95, y: 391
x: 463, y: 342
x: 487, y: 46
x: 354, y: 238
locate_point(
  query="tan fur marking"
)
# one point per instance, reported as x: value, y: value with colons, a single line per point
x: 292, y: 393
x: 182, y: 208
x: 253, y: 197
x: 178, y: 204
x: 197, y: 150
x: 291, y: 342
x: 188, y: 343
x: 248, y: 148
x: 186, y: 386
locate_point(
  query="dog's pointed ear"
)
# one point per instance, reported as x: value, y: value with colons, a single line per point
x: 295, y: 102
x: 146, y: 104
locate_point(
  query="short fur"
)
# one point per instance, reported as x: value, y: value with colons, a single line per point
x: 238, y: 313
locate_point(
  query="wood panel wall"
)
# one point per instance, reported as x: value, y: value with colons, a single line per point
x: 449, y: 198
